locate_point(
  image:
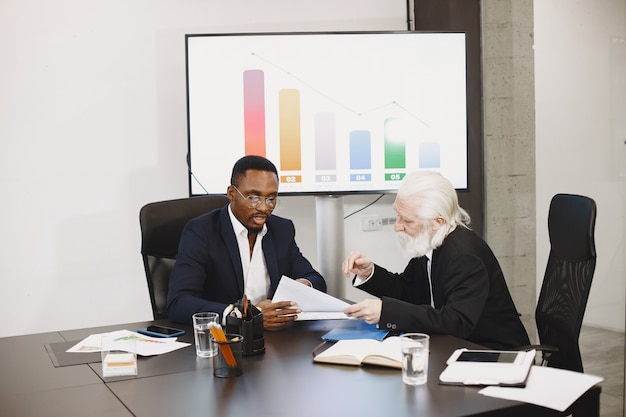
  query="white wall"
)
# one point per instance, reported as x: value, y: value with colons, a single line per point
x: 93, y: 126
x: 580, y: 134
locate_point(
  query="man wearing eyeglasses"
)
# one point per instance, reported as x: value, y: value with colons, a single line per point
x: 241, y: 249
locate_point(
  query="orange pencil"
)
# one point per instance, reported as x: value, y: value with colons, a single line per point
x: 218, y: 334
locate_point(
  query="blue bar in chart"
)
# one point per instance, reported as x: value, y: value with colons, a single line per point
x: 360, y: 154
x: 360, y: 149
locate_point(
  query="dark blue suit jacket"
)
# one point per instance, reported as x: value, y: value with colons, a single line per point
x: 208, y: 276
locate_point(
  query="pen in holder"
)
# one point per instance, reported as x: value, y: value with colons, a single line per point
x: 249, y: 325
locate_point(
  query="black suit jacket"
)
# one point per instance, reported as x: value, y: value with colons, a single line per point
x: 471, y: 297
x: 208, y: 276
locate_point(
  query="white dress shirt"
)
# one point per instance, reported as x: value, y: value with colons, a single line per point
x: 255, y: 276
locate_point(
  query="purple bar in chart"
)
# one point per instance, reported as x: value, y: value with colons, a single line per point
x: 325, y: 141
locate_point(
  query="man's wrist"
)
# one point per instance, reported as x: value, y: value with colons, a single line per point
x: 360, y: 279
x: 305, y: 282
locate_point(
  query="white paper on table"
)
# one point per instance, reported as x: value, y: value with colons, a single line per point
x: 145, y: 345
x: 315, y: 304
x: 548, y: 387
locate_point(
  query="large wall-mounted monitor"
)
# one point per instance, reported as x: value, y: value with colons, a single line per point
x: 337, y: 113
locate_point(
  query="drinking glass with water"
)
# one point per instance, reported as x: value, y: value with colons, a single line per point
x: 205, y: 346
x: 414, y: 358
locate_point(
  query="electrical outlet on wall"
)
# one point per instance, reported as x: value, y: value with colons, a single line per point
x: 371, y: 223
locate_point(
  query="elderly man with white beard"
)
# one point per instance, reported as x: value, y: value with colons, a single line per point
x: 453, y: 283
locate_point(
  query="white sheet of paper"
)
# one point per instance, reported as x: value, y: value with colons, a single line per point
x: 315, y: 304
x: 548, y: 387
x: 146, y: 345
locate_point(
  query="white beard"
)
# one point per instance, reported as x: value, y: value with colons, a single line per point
x: 415, y: 246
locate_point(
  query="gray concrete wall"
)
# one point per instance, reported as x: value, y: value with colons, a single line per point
x: 509, y: 145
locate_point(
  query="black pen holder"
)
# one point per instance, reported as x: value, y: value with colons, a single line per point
x: 250, y: 327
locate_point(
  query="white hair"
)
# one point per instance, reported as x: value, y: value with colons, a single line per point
x: 435, y: 197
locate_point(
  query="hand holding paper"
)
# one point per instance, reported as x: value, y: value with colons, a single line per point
x: 367, y: 310
x: 315, y: 305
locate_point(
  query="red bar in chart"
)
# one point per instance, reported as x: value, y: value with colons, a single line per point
x: 254, y: 112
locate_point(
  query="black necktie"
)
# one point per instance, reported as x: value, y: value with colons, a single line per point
x: 423, y: 284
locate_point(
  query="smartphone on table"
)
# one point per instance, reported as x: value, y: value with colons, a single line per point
x: 490, y: 356
x: 161, y: 331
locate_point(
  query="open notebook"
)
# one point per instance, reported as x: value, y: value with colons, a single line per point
x: 358, y: 352
x: 315, y: 305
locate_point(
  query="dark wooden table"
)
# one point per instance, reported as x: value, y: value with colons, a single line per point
x: 282, y: 382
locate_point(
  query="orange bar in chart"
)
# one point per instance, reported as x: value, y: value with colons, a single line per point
x: 289, y: 122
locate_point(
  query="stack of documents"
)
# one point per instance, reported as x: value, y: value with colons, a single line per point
x: 548, y: 387
x: 145, y: 346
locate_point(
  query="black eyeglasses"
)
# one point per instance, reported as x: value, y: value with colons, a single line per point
x: 255, y: 201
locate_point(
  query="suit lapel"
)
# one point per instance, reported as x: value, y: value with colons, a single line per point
x: 228, y: 234
x: 271, y: 260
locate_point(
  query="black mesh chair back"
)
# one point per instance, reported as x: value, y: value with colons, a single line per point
x: 567, y: 281
x: 161, y: 227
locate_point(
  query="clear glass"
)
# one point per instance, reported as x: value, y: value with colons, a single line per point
x: 205, y: 344
x: 415, y: 350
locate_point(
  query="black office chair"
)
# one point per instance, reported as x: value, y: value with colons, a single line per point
x: 567, y: 280
x: 161, y: 226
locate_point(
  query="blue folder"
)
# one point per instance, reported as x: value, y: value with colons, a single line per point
x: 355, y: 329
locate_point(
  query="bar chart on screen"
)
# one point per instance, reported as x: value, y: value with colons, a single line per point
x: 342, y: 114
